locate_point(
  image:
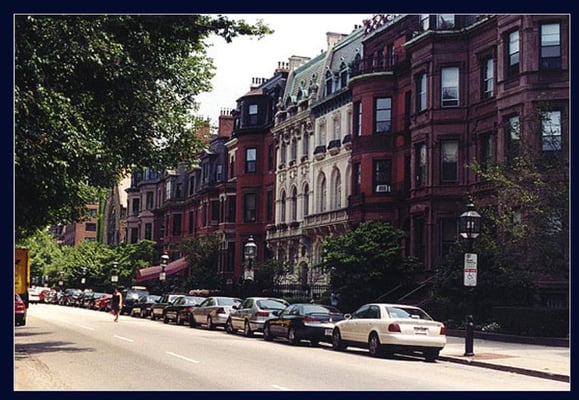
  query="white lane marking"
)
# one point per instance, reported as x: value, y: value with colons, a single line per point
x: 123, y: 338
x: 181, y: 357
x: 280, y: 387
x: 87, y: 328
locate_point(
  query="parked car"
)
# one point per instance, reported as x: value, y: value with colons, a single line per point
x: 385, y: 329
x: 164, y: 301
x: 34, y: 294
x: 303, y: 321
x: 213, y: 312
x: 131, y: 295
x: 142, y: 308
x: 20, y: 310
x: 180, y: 310
x: 103, y: 303
x: 69, y: 297
x: 252, y: 313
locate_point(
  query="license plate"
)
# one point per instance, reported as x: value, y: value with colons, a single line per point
x: 420, y: 331
x: 328, y: 332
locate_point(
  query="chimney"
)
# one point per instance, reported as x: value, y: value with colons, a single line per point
x: 333, y: 38
x: 296, y: 61
x: 257, y: 82
x: 282, y: 66
x: 225, y: 123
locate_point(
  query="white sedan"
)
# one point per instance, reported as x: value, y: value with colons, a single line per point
x: 390, y: 328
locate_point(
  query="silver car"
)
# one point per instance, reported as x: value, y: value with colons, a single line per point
x: 213, y: 311
x: 250, y: 315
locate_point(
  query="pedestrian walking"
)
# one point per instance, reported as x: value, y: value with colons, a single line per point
x: 116, y: 303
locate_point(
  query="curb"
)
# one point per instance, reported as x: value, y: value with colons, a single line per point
x: 522, y: 371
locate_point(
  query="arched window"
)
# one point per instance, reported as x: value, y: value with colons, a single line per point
x: 282, y: 205
x: 337, y: 200
x: 322, y: 194
x: 306, y: 200
x: 294, y: 205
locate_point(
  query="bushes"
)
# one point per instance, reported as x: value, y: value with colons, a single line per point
x: 532, y: 321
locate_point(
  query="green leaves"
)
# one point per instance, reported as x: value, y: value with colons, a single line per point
x: 99, y: 95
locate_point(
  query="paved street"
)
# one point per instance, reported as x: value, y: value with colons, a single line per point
x: 64, y: 348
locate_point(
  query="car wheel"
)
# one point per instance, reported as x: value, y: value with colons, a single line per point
x: 337, y: 343
x: 192, y: 322
x: 247, y: 329
x: 431, y: 354
x: 291, y: 336
x: 153, y: 317
x: 210, y: 325
x: 229, y: 326
x: 165, y: 319
x: 267, y: 336
x: 374, y: 346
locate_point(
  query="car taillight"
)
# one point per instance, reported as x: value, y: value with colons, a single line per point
x: 262, y: 314
x: 310, y: 319
x: 394, y: 328
x: 443, y: 330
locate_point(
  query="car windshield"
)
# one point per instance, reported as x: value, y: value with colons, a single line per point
x: 407, y: 312
x: 226, y: 301
x: 268, y: 304
x: 318, y: 309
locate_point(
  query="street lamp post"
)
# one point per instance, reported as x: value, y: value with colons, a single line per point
x: 163, y: 274
x: 115, y: 274
x: 250, y: 252
x: 83, y: 279
x: 469, y: 222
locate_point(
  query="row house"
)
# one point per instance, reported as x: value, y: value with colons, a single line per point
x: 432, y: 94
x: 380, y: 126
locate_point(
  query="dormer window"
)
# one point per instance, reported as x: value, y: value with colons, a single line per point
x: 445, y: 21
x: 329, y: 83
x: 343, y: 75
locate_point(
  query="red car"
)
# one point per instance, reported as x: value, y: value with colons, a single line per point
x: 19, y: 310
x: 103, y: 303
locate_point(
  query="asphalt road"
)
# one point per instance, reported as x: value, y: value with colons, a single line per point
x: 63, y: 348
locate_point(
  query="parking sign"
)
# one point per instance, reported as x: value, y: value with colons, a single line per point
x: 470, y: 269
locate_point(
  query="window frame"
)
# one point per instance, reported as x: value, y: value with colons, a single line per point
x: 250, y: 164
x: 387, y: 110
x: 550, y: 62
x: 448, y: 168
x: 448, y: 82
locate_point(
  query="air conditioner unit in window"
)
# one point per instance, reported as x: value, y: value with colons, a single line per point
x: 382, y: 188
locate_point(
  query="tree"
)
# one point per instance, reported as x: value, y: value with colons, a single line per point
x: 202, y: 255
x: 366, y: 263
x: 97, y: 96
x: 92, y: 260
x: 525, y: 236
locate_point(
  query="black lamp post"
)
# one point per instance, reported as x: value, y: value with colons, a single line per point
x: 250, y: 252
x: 83, y: 279
x: 469, y: 230
x: 115, y: 274
x: 163, y: 274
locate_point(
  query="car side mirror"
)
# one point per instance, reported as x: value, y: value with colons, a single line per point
x: 347, y: 316
x: 276, y: 312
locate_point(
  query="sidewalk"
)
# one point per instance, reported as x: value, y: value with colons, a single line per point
x: 550, y: 362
